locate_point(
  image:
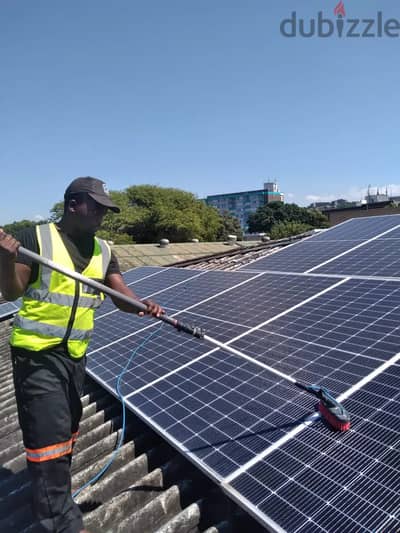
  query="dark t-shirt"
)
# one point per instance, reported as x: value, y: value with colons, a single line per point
x: 80, y: 251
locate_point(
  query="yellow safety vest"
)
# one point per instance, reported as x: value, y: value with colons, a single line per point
x: 55, y: 308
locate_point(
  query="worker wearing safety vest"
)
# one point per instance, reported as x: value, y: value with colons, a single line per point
x: 50, y: 337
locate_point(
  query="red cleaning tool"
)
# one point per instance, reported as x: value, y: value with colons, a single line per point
x: 330, y: 409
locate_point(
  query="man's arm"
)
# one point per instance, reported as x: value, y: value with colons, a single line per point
x: 116, y: 281
x: 14, y: 277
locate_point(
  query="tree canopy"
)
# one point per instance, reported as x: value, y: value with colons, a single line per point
x: 274, y: 213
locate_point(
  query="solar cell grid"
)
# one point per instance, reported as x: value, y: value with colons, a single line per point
x: 130, y: 277
x: 135, y: 274
x: 395, y: 234
x: 320, y: 480
x: 301, y: 256
x: 360, y: 316
x: 163, y: 280
x: 148, y: 284
x: 114, y: 324
x: 200, y: 288
x: 223, y: 409
x: 261, y: 298
x: 377, y: 258
x: 309, y: 363
x: 359, y: 228
x: 166, y: 351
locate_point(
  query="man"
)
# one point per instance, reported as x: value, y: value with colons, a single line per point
x: 50, y: 337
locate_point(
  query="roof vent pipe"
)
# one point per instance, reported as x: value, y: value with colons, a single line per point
x: 164, y: 243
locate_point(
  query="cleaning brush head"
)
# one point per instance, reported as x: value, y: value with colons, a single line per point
x: 332, y: 411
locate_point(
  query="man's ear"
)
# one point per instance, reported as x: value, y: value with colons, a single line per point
x: 72, y: 204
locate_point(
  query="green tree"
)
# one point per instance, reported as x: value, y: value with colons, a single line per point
x: 287, y: 229
x: 56, y: 212
x: 267, y: 216
x: 155, y: 212
x: 230, y: 225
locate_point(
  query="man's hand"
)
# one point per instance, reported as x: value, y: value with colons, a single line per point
x: 152, y: 309
x: 14, y: 277
x: 8, y: 246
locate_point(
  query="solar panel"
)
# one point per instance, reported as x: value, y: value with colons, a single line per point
x: 166, y: 351
x: 359, y: 228
x: 377, y: 258
x: 301, y: 256
x: 136, y: 274
x: 350, y: 237
x: 175, y: 289
x: 253, y: 432
x: 213, y: 408
x: 360, y: 316
x: 8, y: 309
x: 262, y: 298
x: 318, y: 481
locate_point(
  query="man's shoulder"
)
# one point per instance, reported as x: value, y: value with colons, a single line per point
x: 28, y: 238
x: 29, y: 233
x: 26, y: 232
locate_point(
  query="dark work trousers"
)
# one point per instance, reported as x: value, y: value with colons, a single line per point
x: 48, y: 386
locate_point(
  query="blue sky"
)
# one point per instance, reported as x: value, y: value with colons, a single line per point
x: 206, y: 96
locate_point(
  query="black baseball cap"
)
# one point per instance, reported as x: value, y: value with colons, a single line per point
x: 95, y: 188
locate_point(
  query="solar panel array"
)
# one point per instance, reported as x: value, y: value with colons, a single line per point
x: 325, y: 310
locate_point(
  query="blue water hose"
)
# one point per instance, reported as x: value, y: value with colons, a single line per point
x: 121, y: 397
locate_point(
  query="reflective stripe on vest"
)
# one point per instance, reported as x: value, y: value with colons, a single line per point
x: 49, y: 330
x: 55, y: 308
x: 59, y: 299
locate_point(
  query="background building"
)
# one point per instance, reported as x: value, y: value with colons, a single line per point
x: 241, y: 204
x: 371, y: 198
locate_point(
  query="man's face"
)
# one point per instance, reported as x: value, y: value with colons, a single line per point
x: 89, y: 214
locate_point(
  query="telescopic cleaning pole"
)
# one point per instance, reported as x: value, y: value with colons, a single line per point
x: 330, y: 409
